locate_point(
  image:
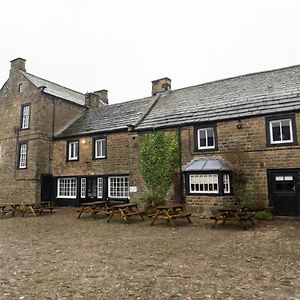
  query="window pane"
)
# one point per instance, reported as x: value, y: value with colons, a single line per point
x: 204, y: 183
x: 206, y: 138
x: 99, y: 187
x: 67, y: 187
x: 202, y: 138
x: 286, y: 133
x: 25, y: 116
x: 23, y: 156
x: 119, y: 187
x: 276, y: 131
x: 210, y: 137
x: 83, y: 187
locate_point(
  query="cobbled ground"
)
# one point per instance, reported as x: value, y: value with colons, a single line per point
x: 60, y: 257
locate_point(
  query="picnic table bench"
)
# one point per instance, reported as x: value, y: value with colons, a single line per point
x: 170, y: 212
x: 7, y: 206
x: 93, y: 207
x: 126, y: 211
x: 239, y: 214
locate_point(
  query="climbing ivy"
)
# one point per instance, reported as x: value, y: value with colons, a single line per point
x: 159, y: 161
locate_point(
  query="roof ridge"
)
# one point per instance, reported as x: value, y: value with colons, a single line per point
x: 235, y: 77
x: 52, y: 82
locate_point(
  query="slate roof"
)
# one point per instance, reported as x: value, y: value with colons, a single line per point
x: 206, y: 164
x: 56, y: 89
x: 243, y: 96
x: 109, y: 118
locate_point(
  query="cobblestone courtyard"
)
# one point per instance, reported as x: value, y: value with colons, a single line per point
x: 60, y: 257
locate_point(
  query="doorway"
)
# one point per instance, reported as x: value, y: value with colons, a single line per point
x: 284, y: 191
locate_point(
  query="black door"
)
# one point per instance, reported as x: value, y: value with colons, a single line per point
x: 91, y: 189
x: 284, y: 191
x: 46, y: 187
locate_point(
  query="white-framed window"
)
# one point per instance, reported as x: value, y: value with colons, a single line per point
x: 99, y: 187
x: 204, y: 183
x: 67, y: 188
x: 226, y: 183
x: 118, y: 187
x: 206, y: 138
x: 25, y: 116
x: 23, y: 149
x: 82, y: 187
x: 99, y: 148
x: 73, y: 150
x: 281, y: 131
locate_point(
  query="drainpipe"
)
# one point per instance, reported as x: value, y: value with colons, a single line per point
x: 180, y: 164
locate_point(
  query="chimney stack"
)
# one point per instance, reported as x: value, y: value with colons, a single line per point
x: 96, y: 99
x: 102, y: 95
x: 17, y: 64
x: 161, y: 85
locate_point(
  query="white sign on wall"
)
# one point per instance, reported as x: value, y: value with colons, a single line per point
x: 133, y: 189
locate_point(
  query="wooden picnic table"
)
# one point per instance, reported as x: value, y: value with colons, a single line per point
x: 92, y: 207
x: 238, y: 214
x: 170, y: 212
x: 13, y: 206
x: 126, y: 211
x: 28, y: 207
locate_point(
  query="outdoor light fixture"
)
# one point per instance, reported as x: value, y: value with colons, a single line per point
x: 239, y: 125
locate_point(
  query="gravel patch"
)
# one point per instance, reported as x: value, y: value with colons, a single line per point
x: 60, y: 257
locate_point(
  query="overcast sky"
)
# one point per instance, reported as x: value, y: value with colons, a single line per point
x: 123, y: 45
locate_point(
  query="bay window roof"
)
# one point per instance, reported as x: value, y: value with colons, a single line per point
x: 208, y: 164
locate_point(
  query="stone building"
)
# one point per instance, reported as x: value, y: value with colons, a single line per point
x: 241, y: 131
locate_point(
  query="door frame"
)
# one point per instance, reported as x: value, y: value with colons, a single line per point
x: 270, y: 174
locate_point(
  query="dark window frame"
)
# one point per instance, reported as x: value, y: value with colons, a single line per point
x: 67, y: 150
x: 269, y: 119
x: 19, y: 155
x: 94, y: 147
x: 22, y: 116
x: 205, y: 126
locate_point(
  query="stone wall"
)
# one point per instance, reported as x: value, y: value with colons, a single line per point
x: 245, y: 148
x: 117, y: 161
x: 24, y: 185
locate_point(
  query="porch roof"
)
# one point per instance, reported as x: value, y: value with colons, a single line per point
x: 207, y: 164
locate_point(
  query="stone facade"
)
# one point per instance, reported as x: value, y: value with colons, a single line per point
x: 48, y: 114
x: 243, y: 141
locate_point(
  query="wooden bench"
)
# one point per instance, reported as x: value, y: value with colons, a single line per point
x: 233, y: 214
x: 171, y: 212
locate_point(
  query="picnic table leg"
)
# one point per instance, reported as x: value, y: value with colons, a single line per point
x: 80, y: 212
x: 169, y: 217
x: 32, y: 210
x: 110, y: 215
x: 123, y: 214
x: 154, y: 218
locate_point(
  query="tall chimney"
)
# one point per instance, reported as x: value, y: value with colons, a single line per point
x: 161, y: 85
x: 96, y: 99
x: 17, y: 64
x: 102, y: 95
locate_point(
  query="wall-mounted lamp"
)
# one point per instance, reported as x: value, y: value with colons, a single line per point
x: 239, y: 125
x: 83, y: 141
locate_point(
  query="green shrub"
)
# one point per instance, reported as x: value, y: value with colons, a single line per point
x: 263, y: 215
x: 247, y: 201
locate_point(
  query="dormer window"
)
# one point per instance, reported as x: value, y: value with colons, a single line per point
x: 25, y: 116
